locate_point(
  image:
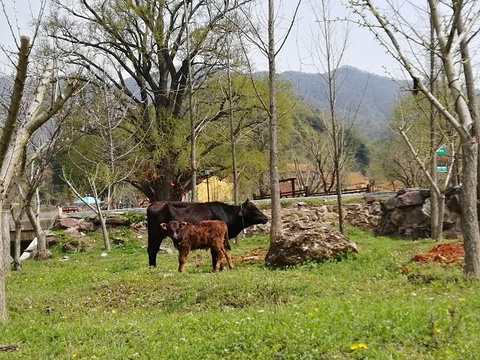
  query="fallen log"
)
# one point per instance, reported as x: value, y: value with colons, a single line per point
x: 8, y: 347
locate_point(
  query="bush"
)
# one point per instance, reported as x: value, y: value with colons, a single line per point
x: 134, y: 217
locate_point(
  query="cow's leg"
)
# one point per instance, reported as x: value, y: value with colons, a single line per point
x: 182, y: 258
x: 154, y: 243
x: 219, y: 251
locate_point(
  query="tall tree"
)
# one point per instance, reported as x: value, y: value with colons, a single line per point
x: 142, y: 44
x: 276, y: 221
x: 454, y: 28
x: 328, y: 49
x: 15, y: 137
x: 97, y: 148
x: 268, y: 48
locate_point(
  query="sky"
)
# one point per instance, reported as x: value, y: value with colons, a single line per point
x: 20, y: 15
x: 362, y: 52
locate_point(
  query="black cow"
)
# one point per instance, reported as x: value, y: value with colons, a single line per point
x: 237, y: 218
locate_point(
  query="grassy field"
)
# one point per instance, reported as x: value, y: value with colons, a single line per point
x: 375, y: 305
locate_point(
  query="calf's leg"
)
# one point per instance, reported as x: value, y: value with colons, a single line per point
x: 228, y: 255
x: 215, y: 258
x: 219, y: 251
x: 182, y: 258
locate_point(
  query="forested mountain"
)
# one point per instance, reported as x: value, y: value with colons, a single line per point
x: 362, y: 97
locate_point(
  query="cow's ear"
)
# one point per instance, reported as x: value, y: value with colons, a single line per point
x: 163, y: 226
x: 182, y: 224
x: 246, y: 202
x: 242, y: 211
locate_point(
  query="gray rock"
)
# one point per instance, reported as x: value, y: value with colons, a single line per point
x: 314, y: 242
x: 66, y: 223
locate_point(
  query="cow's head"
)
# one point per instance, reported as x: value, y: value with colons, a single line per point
x: 173, y: 229
x: 251, y: 214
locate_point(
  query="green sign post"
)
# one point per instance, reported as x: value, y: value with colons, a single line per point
x: 442, y: 150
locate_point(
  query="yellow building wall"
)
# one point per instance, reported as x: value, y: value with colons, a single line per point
x: 219, y: 190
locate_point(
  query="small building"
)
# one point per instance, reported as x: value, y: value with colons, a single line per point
x: 355, y: 180
x: 215, y: 189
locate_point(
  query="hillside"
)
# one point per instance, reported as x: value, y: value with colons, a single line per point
x: 363, y: 97
x: 368, y: 96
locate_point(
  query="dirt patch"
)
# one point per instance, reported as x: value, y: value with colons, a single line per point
x: 253, y: 255
x: 443, y: 253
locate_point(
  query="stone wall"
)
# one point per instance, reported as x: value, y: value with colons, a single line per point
x: 364, y: 214
x: 407, y: 214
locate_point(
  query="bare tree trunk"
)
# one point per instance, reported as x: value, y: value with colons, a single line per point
x: 5, y: 142
x: 276, y: 223
x: 232, y: 134
x: 3, y: 300
x: 42, y: 252
x: 106, y: 241
x: 103, y: 225
x: 193, y: 162
x: 6, y: 240
x: 17, y: 241
x: 436, y: 223
x: 452, y: 37
x: 17, y: 94
x: 4, y: 261
x: 471, y: 235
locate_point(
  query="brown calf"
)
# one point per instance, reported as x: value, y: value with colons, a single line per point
x: 208, y: 234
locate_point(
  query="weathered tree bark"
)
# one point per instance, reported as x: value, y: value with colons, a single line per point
x: 436, y: 216
x: 470, y: 227
x: 17, y: 241
x: 5, y: 143
x: 189, y: 91
x: 5, y: 260
x: 42, y: 251
x: 14, y: 143
x: 231, y: 121
x: 6, y: 239
x: 276, y: 221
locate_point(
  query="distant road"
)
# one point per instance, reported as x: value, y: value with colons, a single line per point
x: 142, y: 210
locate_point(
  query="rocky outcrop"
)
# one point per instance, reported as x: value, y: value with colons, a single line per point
x: 402, y: 215
x: 407, y: 215
x: 75, y: 224
x: 366, y: 215
x: 66, y: 223
x: 304, y: 240
x: 309, y: 232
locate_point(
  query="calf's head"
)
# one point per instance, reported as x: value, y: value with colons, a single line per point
x: 174, y: 229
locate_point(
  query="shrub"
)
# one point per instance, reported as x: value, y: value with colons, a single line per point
x: 134, y: 217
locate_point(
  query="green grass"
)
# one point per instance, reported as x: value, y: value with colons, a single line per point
x: 115, y: 307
